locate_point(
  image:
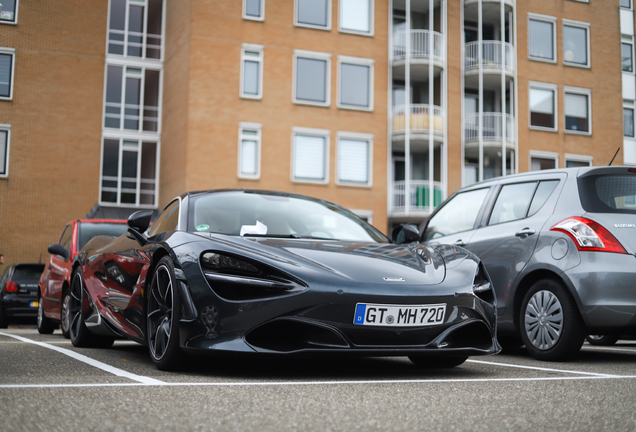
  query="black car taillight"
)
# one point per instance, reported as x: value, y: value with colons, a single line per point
x: 589, y: 235
x: 11, y: 286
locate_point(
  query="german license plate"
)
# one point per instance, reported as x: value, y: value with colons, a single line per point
x: 34, y: 304
x: 399, y: 315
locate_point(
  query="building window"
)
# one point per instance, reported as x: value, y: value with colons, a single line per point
x: 135, y: 28
x: 626, y: 4
x: 627, y: 57
x: 7, y: 66
x: 313, y: 13
x: 354, y: 159
x: 543, y: 106
x: 577, y: 110
x: 576, y: 43
x: 126, y: 88
x: 254, y: 10
x: 628, y: 122
x: 356, y: 16
x: 252, y: 71
x: 310, y: 155
x: 540, y: 160
x: 355, y: 88
x: 249, y: 151
x: 129, y: 172
x: 5, y: 134
x: 577, y: 161
x: 9, y: 11
x: 312, y: 79
x: 542, y: 38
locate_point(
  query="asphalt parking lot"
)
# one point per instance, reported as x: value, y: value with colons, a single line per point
x: 47, y: 384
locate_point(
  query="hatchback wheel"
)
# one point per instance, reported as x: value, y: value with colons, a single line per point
x: 45, y: 325
x: 162, y: 319
x: 551, y: 327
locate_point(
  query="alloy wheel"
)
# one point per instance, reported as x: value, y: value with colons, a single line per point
x: 75, y: 307
x: 544, y: 320
x: 160, y: 312
x: 66, y: 317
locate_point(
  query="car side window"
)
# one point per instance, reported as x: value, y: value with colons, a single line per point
x: 542, y: 194
x: 459, y: 214
x: 512, y: 203
x: 65, y: 239
x: 167, y: 220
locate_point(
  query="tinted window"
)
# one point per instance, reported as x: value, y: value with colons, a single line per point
x: 89, y: 230
x: 28, y: 271
x: 65, y: 240
x: 608, y: 193
x: 167, y: 220
x: 542, y: 194
x: 512, y: 203
x: 459, y: 214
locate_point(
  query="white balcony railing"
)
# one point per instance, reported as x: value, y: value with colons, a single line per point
x: 492, y: 128
x: 419, y: 195
x: 419, y: 118
x: 491, y: 55
x: 419, y: 44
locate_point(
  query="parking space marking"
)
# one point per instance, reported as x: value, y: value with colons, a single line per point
x: 89, y: 361
x: 512, y: 365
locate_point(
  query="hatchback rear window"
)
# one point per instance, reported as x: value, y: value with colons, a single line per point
x: 28, y: 272
x: 608, y: 193
x: 89, y: 230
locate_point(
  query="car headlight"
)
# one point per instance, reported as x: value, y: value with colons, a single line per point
x: 216, y: 261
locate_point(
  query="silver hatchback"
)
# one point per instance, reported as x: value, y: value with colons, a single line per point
x: 560, y: 247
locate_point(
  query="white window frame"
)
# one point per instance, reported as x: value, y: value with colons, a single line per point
x: 6, y: 128
x: 630, y: 42
x: 355, y: 136
x: 358, y: 32
x: 259, y: 60
x: 15, y: 15
x: 630, y: 107
x: 583, y: 92
x: 539, y: 154
x: 140, y: 139
x: 144, y: 35
x: 11, y: 52
x: 261, y: 16
x: 256, y: 127
x: 549, y: 19
x: 631, y: 4
x: 578, y: 158
x: 544, y: 86
x: 299, y: 24
x: 359, y: 62
x: 586, y: 27
x: 323, y: 133
x: 313, y: 55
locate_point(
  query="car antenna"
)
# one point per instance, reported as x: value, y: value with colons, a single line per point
x: 610, y: 164
x: 40, y: 261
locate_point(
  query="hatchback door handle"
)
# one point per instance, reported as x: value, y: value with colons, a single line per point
x: 525, y: 233
x: 460, y: 243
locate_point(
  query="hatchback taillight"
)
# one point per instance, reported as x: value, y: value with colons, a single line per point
x: 11, y: 286
x: 589, y: 235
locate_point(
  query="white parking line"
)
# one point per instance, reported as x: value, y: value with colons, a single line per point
x: 89, y: 361
x: 544, y: 369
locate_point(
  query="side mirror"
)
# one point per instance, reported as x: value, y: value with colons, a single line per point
x: 58, y: 249
x: 405, y: 233
x: 140, y: 220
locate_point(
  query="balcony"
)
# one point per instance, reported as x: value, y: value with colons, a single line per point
x: 492, y: 128
x: 419, y: 196
x: 492, y: 62
x: 419, y: 121
x: 420, y: 54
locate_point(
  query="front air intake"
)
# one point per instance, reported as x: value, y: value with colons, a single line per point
x: 287, y: 335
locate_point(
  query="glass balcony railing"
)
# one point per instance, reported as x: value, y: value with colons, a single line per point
x: 490, y: 55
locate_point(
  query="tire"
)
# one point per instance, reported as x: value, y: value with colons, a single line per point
x: 550, y: 324
x: 437, y: 362
x: 65, y: 321
x: 45, y: 325
x: 4, y: 319
x: 162, y: 309
x: 78, y: 333
x: 602, y: 340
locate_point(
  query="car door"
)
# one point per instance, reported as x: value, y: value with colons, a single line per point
x: 455, y: 222
x: 509, y: 231
x: 56, y: 275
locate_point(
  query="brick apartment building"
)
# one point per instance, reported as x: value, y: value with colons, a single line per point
x: 384, y: 106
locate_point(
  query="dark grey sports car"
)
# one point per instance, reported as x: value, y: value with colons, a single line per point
x: 244, y: 271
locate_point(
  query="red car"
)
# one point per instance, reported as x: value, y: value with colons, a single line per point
x: 53, y: 291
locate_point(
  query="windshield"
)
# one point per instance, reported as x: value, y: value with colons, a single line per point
x: 88, y: 230
x: 257, y: 214
x: 608, y: 193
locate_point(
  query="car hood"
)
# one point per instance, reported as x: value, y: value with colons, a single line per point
x: 367, y: 263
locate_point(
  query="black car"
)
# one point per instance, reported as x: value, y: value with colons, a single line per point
x: 19, y: 292
x: 253, y: 272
